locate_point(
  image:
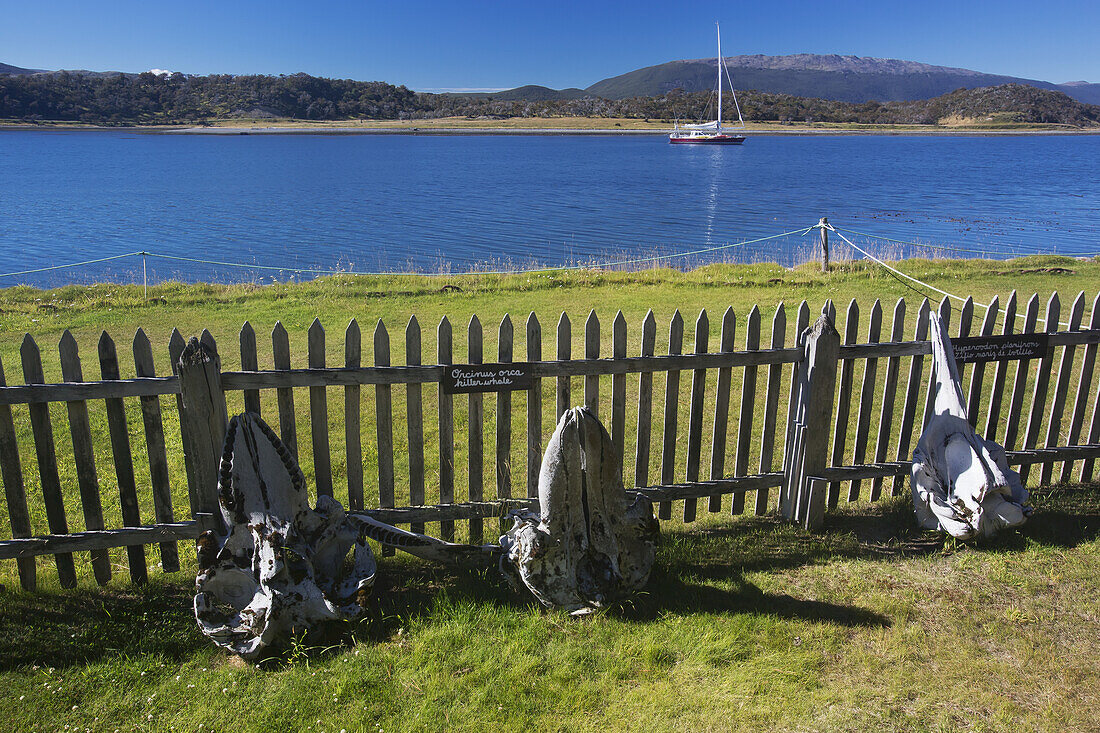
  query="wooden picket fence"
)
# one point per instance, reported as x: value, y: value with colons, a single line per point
x: 838, y: 434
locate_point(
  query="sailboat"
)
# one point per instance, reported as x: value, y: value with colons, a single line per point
x: 712, y: 132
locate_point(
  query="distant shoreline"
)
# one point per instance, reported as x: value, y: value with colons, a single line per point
x: 534, y: 127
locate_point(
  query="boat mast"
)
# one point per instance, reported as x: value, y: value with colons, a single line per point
x: 718, y: 127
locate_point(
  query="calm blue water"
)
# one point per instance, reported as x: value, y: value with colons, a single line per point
x: 435, y: 203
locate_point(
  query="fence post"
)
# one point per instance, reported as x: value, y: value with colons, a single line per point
x: 803, y: 496
x: 203, y: 421
x: 823, y: 227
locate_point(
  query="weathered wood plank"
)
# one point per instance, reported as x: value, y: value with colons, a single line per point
x: 383, y: 419
x: 1042, y: 384
x: 771, y: 406
x: 672, y: 408
x: 318, y: 412
x: 156, y: 452
x: 46, y: 453
x: 996, y: 394
x: 966, y: 320
x: 748, y: 405
x: 819, y: 381
x: 618, y: 389
x: 353, y: 427
x: 123, y: 458
x: 414, y: 407
x: 15, y: 490
x: 912, y: 393
x: 506, y: 334
x: 176, y: 346
x: 280, y: 351
x: 565, y: 347
x: 843, y: 401
x: 866, y: 397
x: 1061, y: 388
x: 722, y: 408
x: 1084, y: 389
x: 99, y: 540
x: 790, y: 431
x: 695, y: 414
x: 645, y: 403
x: 977, y: 378
x: 476, y: 426
x: 250, y: 362
x: 534, y: 408
x: 64, y: 392
x: 445, y: 355
x: 889, y: 396
x: 84, y: 455
x: 1016, y: 405
x: 591, y: 352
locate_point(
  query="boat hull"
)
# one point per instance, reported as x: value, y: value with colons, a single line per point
x: 708, y: 140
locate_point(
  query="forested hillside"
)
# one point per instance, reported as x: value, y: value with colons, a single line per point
x: 180, y: 99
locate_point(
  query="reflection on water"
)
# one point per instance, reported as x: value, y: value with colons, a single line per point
x: 452, y: 203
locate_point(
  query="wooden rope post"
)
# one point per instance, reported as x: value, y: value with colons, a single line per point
x: 204, y: 419
x: 823, y: 227
x: 804, y: 496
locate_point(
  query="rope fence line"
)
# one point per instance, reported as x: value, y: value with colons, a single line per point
x: 898, y: 274
x: 896, y: 271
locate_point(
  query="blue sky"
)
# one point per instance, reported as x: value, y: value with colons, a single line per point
x: 429, y: 44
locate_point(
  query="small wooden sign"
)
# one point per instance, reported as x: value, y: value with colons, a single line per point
x: 1000, y: 348
x: 466, y: 378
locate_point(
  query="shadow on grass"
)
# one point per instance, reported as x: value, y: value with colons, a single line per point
x: 699, y: 570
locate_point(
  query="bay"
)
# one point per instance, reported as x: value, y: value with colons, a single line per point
x: 453, y: 203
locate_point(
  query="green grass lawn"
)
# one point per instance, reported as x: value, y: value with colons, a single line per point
x: 746, y: 624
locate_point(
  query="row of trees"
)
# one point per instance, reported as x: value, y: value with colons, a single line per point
x: 148, y: 98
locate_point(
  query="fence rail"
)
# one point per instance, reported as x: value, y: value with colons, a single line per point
x: 727, y: 422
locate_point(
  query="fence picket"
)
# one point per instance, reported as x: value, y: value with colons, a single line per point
x: 996, y: 393
x: 889, y: 396
x: 476, y: 426
x: 1061, y: 387
x: 929, y: 395
x: 1084, y: 387
x: 176, y: 345
x: 156, y: 451
x: 250, y: 362
x: 414, y: 406
x: 1016, y: 405
x: 802, y: 323
x: 912, y: 394
x: 84, y: 455
x: 1042, y: 384
x: 565, y: 347
x: 771, y: 406
x: 534, y: 408
x: 672, y: 407
x: 445, y: 355
x: 505, y: 337
x: 722, y: 408
x: 15, y: 490
x: 123, y: 458
x: 843, y: 401
x: 748, y: 404
x: 966, y: 320
x: 318, y: 412
x: 645, y: 403
x: 866, y: 397
x: 46, y: 453
x: 383, y: 417
x: 280, y: 351
x: 353, y: 433
x: 618, y: 390
x: 977, y: 377
x: 695, y: 415
x: 592, y: 351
